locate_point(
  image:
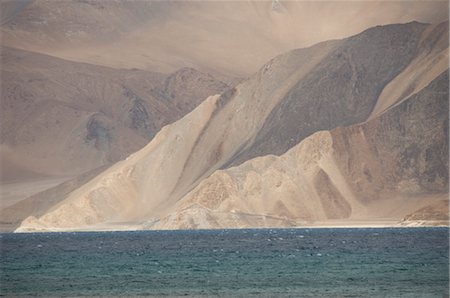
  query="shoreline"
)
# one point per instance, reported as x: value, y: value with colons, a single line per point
x: 317, y: 225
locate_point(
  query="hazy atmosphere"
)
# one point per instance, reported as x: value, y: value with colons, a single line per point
x: 223, y: 37
x: 224, y: 148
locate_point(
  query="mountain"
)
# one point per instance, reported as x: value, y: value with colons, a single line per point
x: 64, y: 118
x: 344, y: 87
x: 232, y: 38
x: 383, y: 169
x: 340, y: 157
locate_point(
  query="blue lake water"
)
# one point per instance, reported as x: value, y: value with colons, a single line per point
x: 398, y: 262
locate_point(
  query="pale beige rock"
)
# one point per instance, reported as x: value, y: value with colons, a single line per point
x: 379, y: 170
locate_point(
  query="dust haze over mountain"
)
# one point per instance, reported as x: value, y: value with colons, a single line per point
x: 363, y: 152
x: 221, y: 37
x: 63, y: 118
x: 170, y: 115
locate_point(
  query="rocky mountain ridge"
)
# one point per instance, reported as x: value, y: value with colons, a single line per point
x: 64, y: 118
x: 339, y: 159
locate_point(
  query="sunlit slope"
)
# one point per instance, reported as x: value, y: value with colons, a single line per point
x: 347, y: 172
x: 150, y: 181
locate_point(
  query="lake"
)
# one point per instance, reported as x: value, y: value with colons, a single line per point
x: 356, y: 262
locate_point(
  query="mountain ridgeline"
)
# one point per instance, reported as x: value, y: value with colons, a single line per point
x: 317, y: 135
x: 341, y: 90
x: 65, y: 118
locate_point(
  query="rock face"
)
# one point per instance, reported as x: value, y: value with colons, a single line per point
x: 339, y: 161
x: 404, y: 150
x: 434, y: 214
x: 347, y: 173
x: 65, y: 118
x: 341, y: 90
x: 10, y: 8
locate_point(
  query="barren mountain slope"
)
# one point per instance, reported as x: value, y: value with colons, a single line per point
x: 39, y: 203
x: 180, y: 154
x: 149, y: 184
x: 430, y: 60
x: 341, y: 90
x: 220, y: 37
x: 437, y: 211
x: 380, y: 170
x: 60, y: 117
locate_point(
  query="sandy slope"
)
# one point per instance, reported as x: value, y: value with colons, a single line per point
x: 348, y: 175
x: 351, y: 172
x: 145, y: 178
x: 13, y: 192
x: 184, y: 152
x: 37, y: 203
x: 431, y: 60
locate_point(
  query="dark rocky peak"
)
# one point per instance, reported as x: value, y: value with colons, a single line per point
x: 341, y: 90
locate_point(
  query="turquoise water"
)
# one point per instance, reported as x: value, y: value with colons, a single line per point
x: 401, y: 262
